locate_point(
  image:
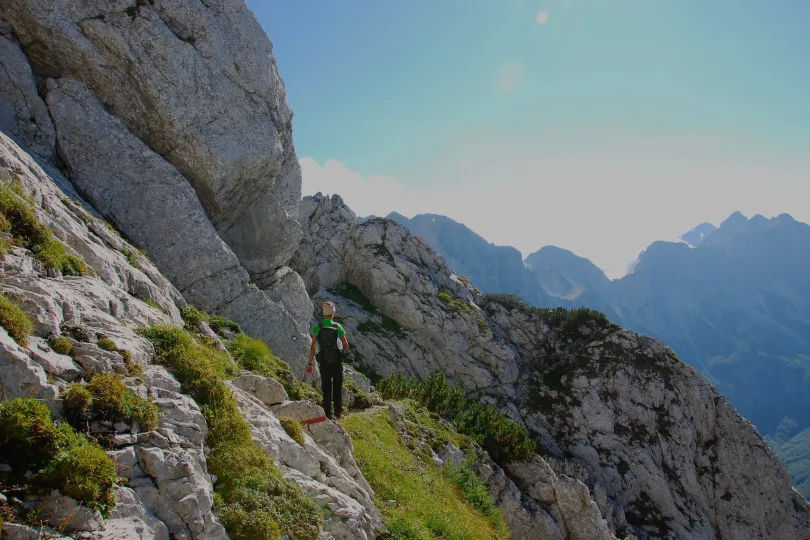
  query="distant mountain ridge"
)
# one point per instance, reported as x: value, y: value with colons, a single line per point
x: 732, y: 300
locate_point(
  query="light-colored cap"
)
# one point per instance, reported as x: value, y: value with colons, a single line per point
x: 328, y: 308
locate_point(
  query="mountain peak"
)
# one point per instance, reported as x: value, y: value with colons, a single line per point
x: 697, y: 235
x: 735, y: 219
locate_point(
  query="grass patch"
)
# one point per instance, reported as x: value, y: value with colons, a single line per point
x: 21, y: 222
x: 460, y: 306
x: 351, y: 292
x: 474, y: 491
x: 59, y: 457
x: 154, y: 305
x: 504, y: 439
x: 252, y: 499
x: 192, y: 317
x: 106, y: 398
x: 294, y: 428
x: 16, y: 322
x: 219, y: 323
x: 61, y: 344
x: 254, y: 355
x: 132, y: 258
x: 107, y: 344
x: 429, y: 505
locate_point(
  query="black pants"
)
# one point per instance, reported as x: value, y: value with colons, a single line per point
x: 332, y: 386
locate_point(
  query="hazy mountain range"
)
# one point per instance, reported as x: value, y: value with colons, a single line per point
x: 733, y: 301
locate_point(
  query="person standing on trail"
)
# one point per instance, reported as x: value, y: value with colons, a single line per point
x: 330, y: 358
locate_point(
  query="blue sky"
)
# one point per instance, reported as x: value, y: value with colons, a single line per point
x: 602, y: 124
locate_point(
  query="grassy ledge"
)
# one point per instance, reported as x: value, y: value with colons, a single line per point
x: 351, y: 292
x: 59, y: 457
x: 427, y: 503
x: 18, y: 219
x: 252, y: 499
x: 106, y: 398
x: 504, y: 439
x: 16, y: 322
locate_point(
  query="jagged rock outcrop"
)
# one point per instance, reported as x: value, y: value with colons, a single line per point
x: 403, y: 276
x: 168, y: 492
x: 210, y: 192
x: 659, y: 449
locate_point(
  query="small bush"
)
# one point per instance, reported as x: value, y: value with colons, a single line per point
x: 252, y: 498
x: 293, y: 428
x: 133, y: 369
x: 504, y: 439
x: 61, y: 344
x: 76, y: 403
x: 59, y: 457
x: 16, y: 322
x: 192, y: 317
x: 113, y: 402
x: 107, y: 344
x: 360, y: 400
x: 219, y: 323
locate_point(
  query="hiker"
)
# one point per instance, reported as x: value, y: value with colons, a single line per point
x: 330, y: 358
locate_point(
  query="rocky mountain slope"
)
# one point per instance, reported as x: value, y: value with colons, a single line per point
x: 661, y: 450
x: 733, y: 305
x: 126, y: 413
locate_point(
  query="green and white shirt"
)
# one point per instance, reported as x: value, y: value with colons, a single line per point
x: 328, y: 323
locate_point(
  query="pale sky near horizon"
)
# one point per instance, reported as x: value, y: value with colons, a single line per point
x: 597, y: 126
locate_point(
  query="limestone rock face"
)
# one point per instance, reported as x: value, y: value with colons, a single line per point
x: 638, y: 443
x: 232, y: 141
x: 23, y: 115
x: 211, y: 189
x: 149, y: 199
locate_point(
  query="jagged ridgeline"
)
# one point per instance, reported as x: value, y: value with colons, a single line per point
x: 159, y: 278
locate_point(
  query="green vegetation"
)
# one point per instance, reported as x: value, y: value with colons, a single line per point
x: 350, y: 292
x: 219, y: 323
x: 132, y: 258
x: 474, y: 490
x: 252, y: 499
x: 429, y: 505
x: 107, y: 344
x: 254, y: 355
x: 504, y: 439
x: 152, y: 304
x: 61, y: 344
x: 20, y: 221
x: 294, y: 428
x: 59, y: 457
x: 359, y: 400
x: 16, y: 322
x: 567, y: 321
x: 106, y: 398
x: 193, y: 316
x: 460, y: 306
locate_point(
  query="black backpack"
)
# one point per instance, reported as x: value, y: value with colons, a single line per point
x: 328, y: 343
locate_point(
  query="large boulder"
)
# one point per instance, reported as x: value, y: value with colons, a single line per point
x: 198, y: 84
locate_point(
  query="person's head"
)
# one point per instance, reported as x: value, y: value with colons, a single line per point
x: 328, y: 309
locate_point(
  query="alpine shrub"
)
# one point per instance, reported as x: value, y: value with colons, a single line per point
x: 504, y: 439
